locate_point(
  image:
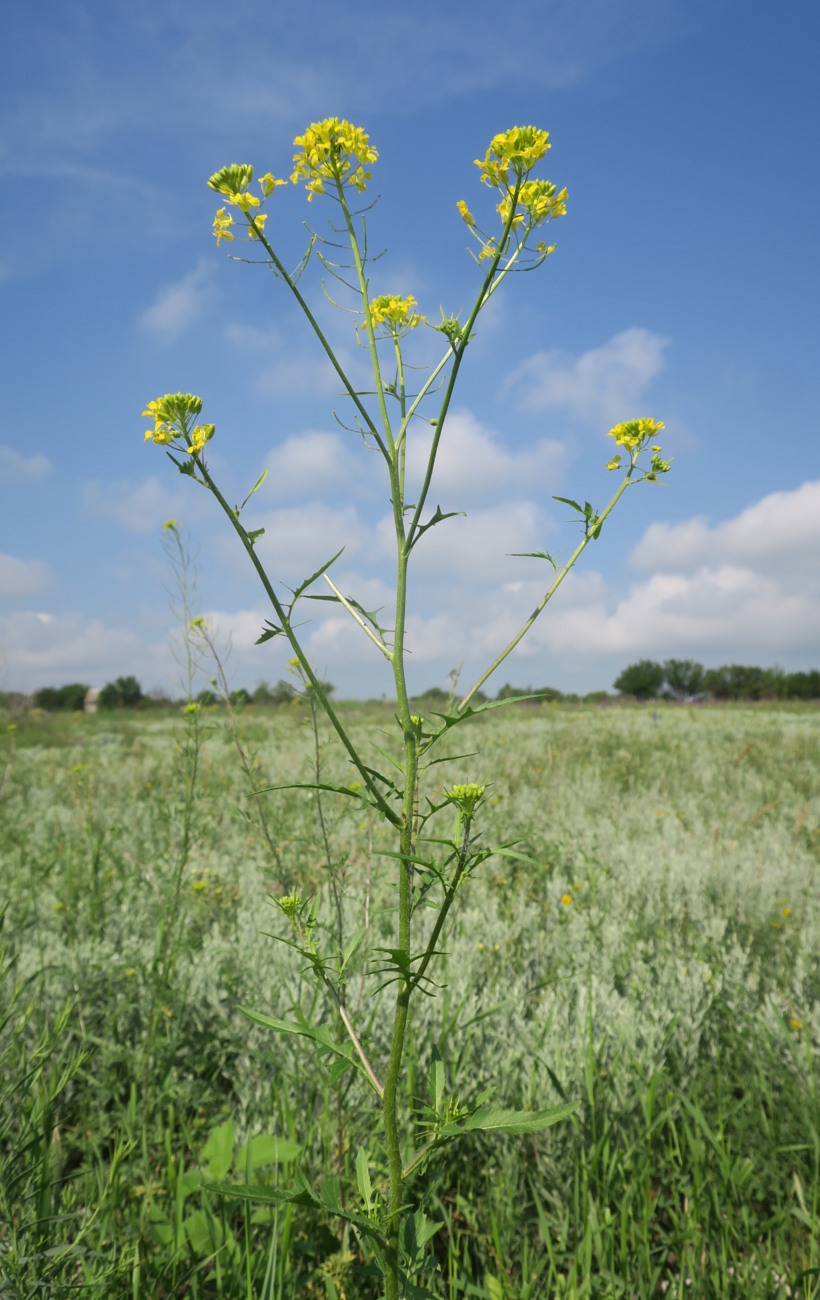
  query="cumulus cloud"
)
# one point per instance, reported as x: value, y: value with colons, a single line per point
x: 17, y: 468
x: 140, y: 508
x: 313, y: 465
x: 178, y: 305
x: 780, y: 534
x: 44, y: 649
x: 603, y: 385
x: 22, y: 577
x: 475, y: 463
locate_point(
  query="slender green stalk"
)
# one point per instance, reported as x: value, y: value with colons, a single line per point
x: 549, y: 593
x: 296, y: 646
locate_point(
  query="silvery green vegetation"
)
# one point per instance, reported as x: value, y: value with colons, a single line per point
x: 656, y: 957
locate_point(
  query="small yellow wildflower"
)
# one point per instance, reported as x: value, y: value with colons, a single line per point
x: 633, y: 434
x: 257, y: 226
x: 201, y: 434
x: 615, y: 463
x: 519, y: 148
x: 566, y: 899
x: 794, y: 1023
x: 222, y: 225
x: 333, y: 150
x: 538, y: 201
x: 395, y: 312
x: 269, y: 184
x: 172, y: 416
x: 466, y: 214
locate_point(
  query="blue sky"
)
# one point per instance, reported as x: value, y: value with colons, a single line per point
x: 684, y: 286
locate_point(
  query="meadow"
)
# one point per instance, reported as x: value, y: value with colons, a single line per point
x: 655, y: 956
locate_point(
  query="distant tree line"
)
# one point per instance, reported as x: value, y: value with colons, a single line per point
x: 675, y: 679
x: 684, y: 679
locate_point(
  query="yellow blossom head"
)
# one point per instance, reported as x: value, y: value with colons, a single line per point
x: 333, y: 150
x: 516, y: 150
x: 466, y: 214
x: 397, y: 314
x: 174, y: 416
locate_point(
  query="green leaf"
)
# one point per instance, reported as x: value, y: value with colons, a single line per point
x: 496, y: 1119
x: 265, y: 1150
x: 437, y: 518
x: 308, y: 582
x: 568, y: 501
x: 253, y: 537
x: 217, y: 1153
x: 363, y: 1177
x: 318, y: 1034
x: 204, y: 1232
x: 270, y: 631
x: 257, y: 485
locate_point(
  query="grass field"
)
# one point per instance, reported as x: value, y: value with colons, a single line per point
x: 657, y: 957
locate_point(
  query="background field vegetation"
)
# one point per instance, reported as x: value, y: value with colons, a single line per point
x: 657, y: 958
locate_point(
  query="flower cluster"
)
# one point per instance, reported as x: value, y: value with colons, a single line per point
x: 525, y: 203
x: 633, y: 435
x: 233, y: 183
x: 174, y: 416
x: 397, y: 314
x: 466, y: 797
x: 537, y: 202
x: 517, y: 150
x: 333, y: 150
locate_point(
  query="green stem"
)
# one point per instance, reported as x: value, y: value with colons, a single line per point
x: 550, y: 592
x: 317, y: 329
x: 304, y: 663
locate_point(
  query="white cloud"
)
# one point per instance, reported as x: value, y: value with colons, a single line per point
x: 299, y: 539
x: 179, y: 304
x: 314, y: 465
x: 43, y: 649
x: 17, y: 468
x: 603, y: 385
x: 140, y: 508
x: 474, y: 463
x: 22, y: 577
x: 779, y: 534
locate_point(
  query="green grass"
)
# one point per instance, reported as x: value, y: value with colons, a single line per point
x: 676, y: 995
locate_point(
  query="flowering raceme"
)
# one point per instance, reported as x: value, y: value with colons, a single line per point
x: 395, y: 312
x: 537, y: 202
x: 333, y: 150
x: 518, y: 149
x: 173, y: 415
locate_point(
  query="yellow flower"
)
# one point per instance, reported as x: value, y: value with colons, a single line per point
x: 539, y: 201
x: 519, y: 148
x: 201, y: 434
x: 634, y: 433
x: 222, y: 225
x: 466, y: 214
x: 395, y: 312
x: 566, y: 899
x: 614, y: 463
x: 257, y: 228
x: 794, y: 1023
x: 269, y: 184
x: 172, y: 415
x: 333, y: 150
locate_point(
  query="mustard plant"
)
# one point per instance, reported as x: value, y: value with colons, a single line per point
x: 334, y: 160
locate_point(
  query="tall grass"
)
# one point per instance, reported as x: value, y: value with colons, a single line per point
x: 659, y: 959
